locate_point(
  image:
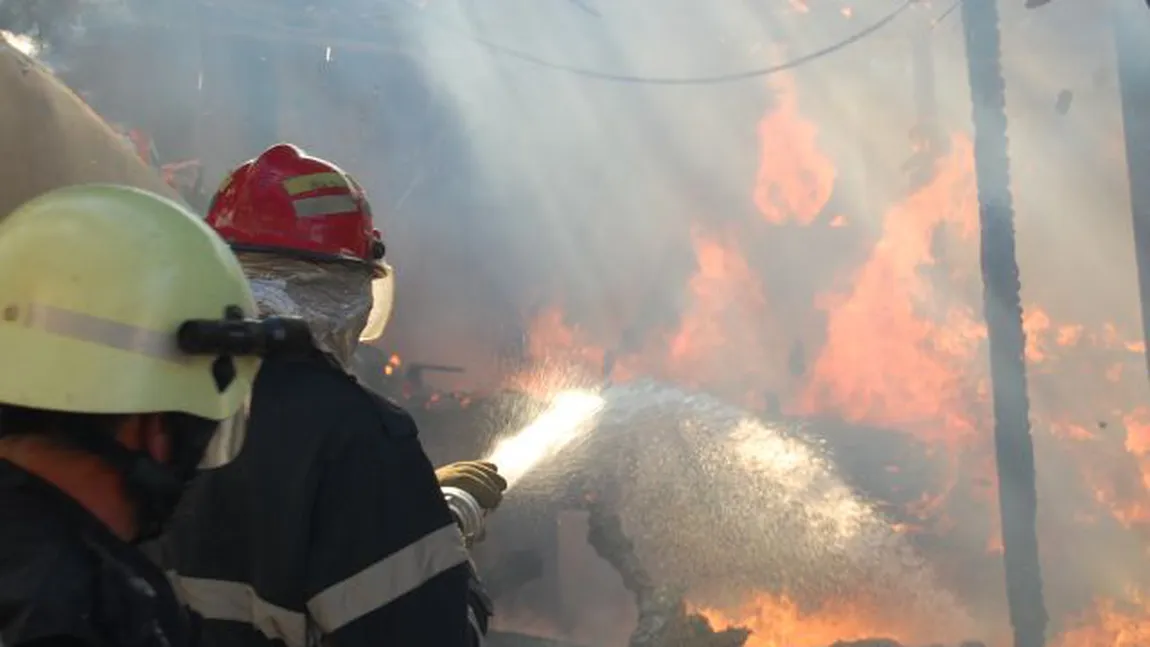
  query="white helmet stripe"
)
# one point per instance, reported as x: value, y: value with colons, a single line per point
x: 96, y: 330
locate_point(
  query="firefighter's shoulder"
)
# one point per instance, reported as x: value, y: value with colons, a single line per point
x: 397, y: 422
x: 45, y: 596
x: 45, y: 573
x: 328, y: 393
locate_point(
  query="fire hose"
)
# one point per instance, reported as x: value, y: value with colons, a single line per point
x: 468, y: 514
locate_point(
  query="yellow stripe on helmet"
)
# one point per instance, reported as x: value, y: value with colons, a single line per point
x: 314, y: 182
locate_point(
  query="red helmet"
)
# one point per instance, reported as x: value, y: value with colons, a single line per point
x: 285, y: 202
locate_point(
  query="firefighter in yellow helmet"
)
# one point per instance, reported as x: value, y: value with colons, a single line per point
x: 129, y: 347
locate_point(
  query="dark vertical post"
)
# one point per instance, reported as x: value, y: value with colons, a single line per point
x: 1131, y: 31
x: 1018, y: 499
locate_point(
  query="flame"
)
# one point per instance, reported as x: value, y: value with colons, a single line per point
x: 920, y: 341
x: 795, y: 178
x: 1135, y: 510
x: 724, y: 340
x: 777, y: 621
x: 394, y: 363
x: 1110, y: 624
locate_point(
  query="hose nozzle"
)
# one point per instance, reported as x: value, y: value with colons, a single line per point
x: 468, y: 514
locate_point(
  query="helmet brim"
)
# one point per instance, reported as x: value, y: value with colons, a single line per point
x: 378, y: 269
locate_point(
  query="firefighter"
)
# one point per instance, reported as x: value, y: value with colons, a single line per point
x: 105, y: 412
x: 330, y: 525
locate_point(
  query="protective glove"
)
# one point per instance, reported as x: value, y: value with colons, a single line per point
x: 480, y: 479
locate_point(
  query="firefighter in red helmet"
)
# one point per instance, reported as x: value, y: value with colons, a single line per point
x: 331, y: 524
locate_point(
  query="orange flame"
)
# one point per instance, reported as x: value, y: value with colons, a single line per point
x: 795, y: 178
x: 912, y: 368
x: 780, y: 622
x: 1110, y: 624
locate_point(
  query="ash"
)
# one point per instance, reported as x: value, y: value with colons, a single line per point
x: 716, y: 503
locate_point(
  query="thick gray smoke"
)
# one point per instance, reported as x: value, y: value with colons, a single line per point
x: 504, y: 186
x: 55, y: 25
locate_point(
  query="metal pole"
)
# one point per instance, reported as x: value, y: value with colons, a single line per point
x: 1131, y: 33
x: 1018, y: 499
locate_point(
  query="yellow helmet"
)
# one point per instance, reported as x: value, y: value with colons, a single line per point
x: 95, y: 284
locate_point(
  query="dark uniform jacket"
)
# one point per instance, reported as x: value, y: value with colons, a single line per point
x: 66, y: 580
x: 329, y: 525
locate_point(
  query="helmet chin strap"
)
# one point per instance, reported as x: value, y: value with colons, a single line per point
x: 155, y: 488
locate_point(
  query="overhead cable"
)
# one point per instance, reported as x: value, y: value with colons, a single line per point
x: 730, y: 77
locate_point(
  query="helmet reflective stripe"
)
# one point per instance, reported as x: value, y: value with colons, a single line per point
x: 96, y: 330
x: 315, y: 182
x: 324, y: 205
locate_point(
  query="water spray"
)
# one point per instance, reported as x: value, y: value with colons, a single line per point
x: 568, y: 416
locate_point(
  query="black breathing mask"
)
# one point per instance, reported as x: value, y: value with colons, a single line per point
x: 154, y: 488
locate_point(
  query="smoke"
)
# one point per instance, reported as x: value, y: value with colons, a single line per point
x: 504, y: 186
x: 52, y: 26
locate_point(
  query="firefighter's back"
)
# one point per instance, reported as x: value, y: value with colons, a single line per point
x: 329, y: 522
